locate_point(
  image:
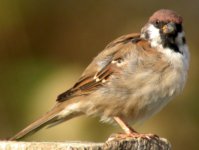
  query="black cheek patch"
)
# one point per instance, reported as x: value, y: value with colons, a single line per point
x: 178, y: 28
x: 146, y: 34
x: 183, y: 40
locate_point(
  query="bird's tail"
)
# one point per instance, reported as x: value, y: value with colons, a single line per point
x: 49, y: 119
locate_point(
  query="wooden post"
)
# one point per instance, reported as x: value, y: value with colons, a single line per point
x: 111, y: 144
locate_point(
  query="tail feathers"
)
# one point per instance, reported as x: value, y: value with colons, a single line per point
x: 51, y: 118
x: 35, y: 126
x: 68, y: 117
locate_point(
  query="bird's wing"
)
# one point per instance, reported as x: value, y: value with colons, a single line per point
x: 101, y: 68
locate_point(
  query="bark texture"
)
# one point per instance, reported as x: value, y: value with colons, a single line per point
x: 113, y: 143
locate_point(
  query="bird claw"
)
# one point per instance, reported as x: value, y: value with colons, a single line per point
x: 133, y: 135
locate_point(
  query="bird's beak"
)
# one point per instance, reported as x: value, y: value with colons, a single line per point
x: 168, y: 28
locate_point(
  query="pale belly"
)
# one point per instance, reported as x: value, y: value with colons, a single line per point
x: 136, y: 102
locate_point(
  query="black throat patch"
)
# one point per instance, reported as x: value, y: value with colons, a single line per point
x: 169, y: 40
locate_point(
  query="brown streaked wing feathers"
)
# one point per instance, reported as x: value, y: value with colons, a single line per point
x: 123, y: 39
x: 88, y: 82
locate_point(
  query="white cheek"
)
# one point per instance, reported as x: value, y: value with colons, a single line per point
x: 179, y: 39
x: 154, y: 36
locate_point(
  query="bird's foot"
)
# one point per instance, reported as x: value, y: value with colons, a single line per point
x: 133, y: 135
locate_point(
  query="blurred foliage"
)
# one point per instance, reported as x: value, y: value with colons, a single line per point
x: 44, y: 46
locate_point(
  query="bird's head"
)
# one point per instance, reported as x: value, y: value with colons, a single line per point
x: 164, y: 28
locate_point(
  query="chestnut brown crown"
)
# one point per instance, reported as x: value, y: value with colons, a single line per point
x: 166, y: 15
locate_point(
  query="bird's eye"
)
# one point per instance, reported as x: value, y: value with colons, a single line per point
x: 157, y: 22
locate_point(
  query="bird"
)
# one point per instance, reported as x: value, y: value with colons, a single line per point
x: 130, y: 80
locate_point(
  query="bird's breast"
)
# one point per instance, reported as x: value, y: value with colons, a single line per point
x: 153, y: 83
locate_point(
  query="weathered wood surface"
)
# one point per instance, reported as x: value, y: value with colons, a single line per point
x: 111, y: 144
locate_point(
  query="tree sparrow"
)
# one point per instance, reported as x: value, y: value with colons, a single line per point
x: 134, y: 77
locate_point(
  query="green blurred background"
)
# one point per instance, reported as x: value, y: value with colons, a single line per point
x: 45, y: 45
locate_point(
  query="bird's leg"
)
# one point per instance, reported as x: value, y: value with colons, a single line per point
x: 125, y: 126
x: 129, y: 131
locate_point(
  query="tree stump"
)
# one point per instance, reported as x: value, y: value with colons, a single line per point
x: 113, y: 143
